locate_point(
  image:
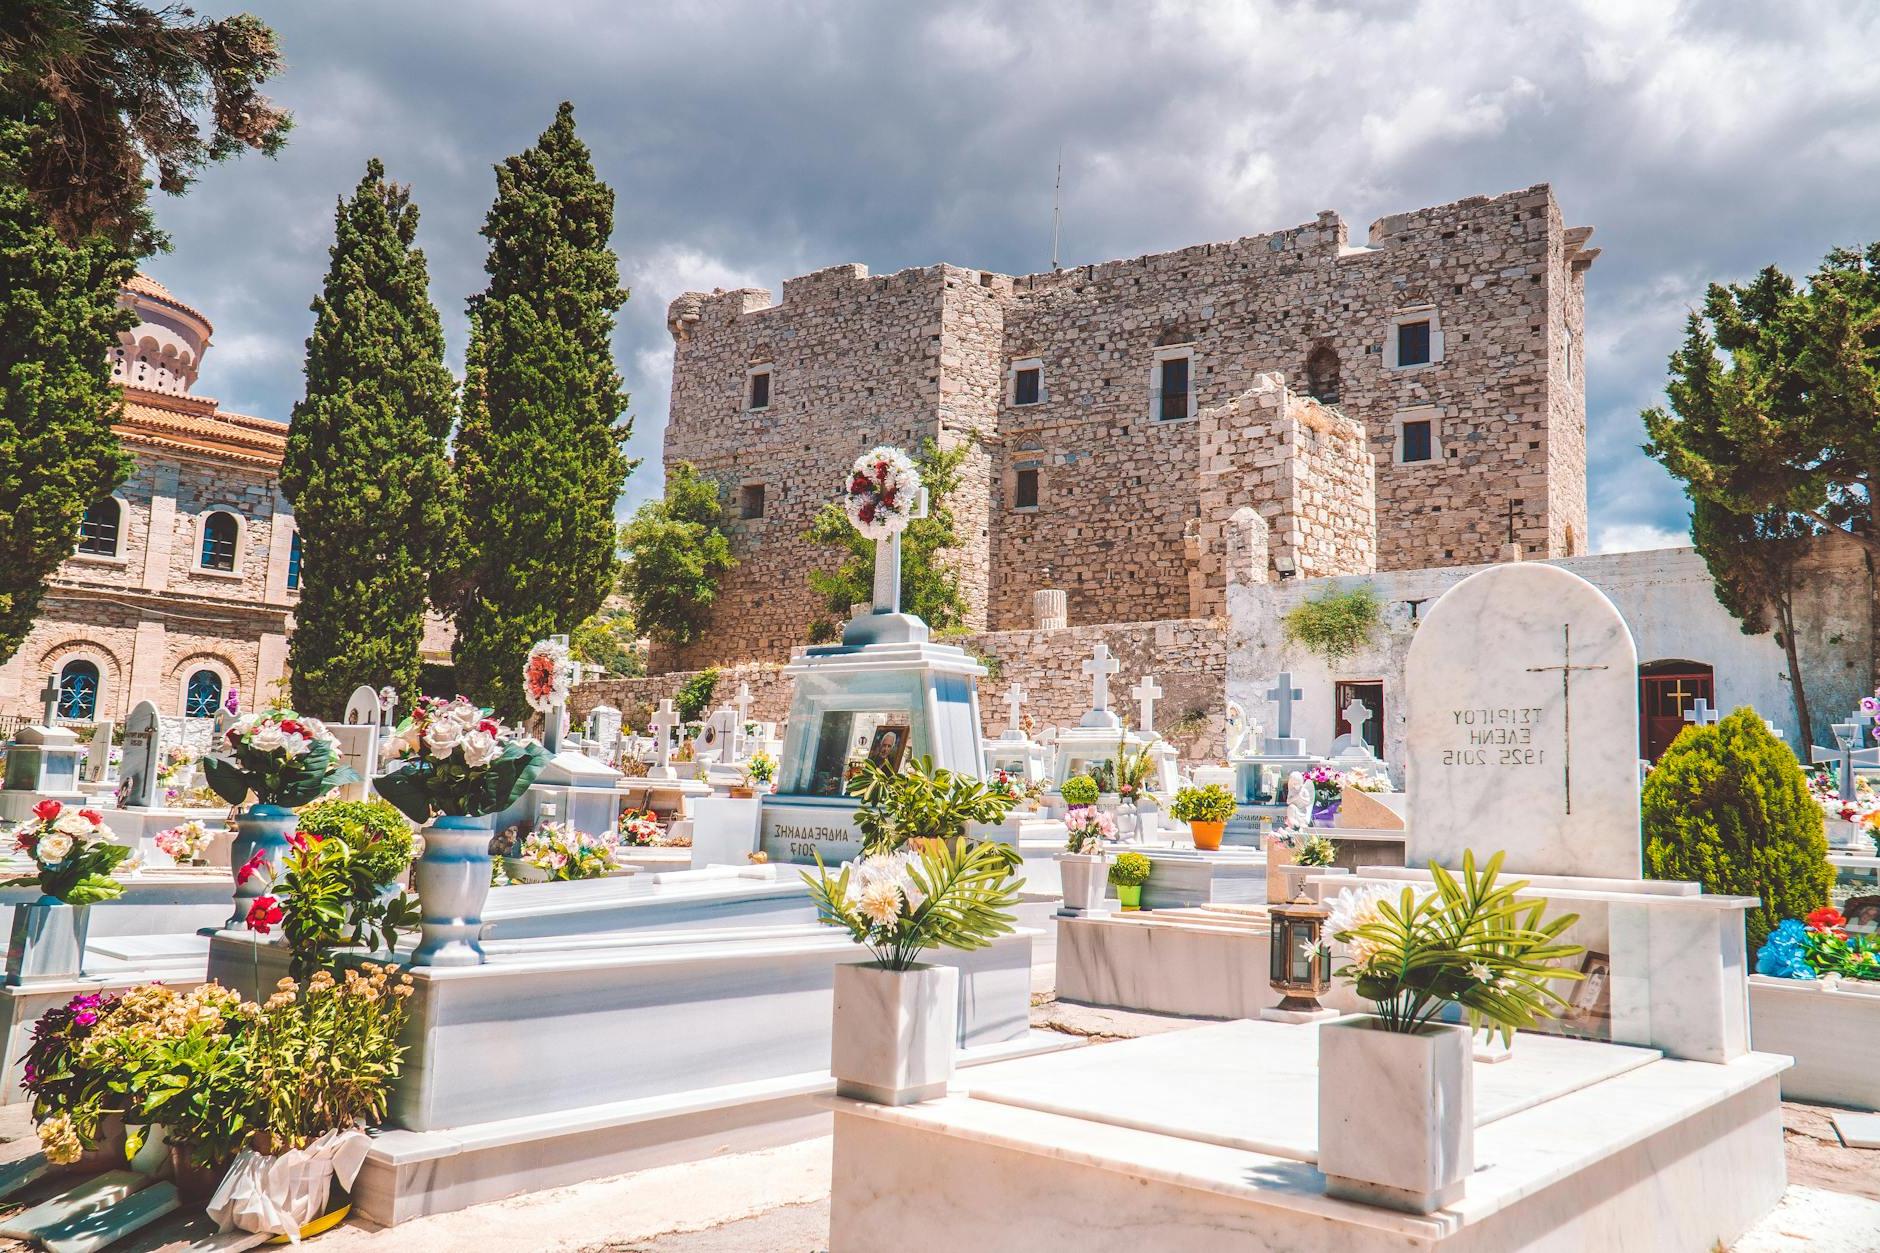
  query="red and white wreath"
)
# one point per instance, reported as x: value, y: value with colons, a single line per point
x: 883, y: 489
x: 546, y: 675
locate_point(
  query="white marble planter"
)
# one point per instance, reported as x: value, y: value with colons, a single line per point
x: 1293, y: 877
x: 1086, y: 880
x: 1278, y: 856
x: 453, y: 881
x: 47, y: 944
x: 894, y: 1032
x: 1828, y: 1028
x: 1396, y: 1113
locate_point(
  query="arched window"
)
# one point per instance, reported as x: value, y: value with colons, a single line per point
x: 78, y: 690
x: 1322, y: 374
x: 203, y: 697
x: 221, y: 531
x: 293, y: 564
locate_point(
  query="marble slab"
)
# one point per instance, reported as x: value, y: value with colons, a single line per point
x: 1828, y: 1030
x: 1521, y: 688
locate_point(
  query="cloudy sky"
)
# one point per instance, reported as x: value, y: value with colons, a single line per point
x: 752, y: 141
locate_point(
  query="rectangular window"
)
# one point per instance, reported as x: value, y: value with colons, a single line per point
x: 1413, y: 343
x: 1174, y: 391
x: 1025, y: 488
x: 751, y: 500
x: 1416, y: 441
x: 293, y: 564
x: 98, y: 532
x: 759, y: 390
x: 1025, y: 387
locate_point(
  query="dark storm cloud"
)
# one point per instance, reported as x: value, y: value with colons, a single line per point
x: 749, y: 142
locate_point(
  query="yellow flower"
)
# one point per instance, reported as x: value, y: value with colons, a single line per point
x: 60, y: 1140
x: 881, y: 903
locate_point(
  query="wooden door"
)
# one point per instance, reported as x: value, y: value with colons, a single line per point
x: 1665, y: 694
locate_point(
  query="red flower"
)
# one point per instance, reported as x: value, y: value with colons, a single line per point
x: 1827, y: 918
x: 295, y: 841
x: 47, y: 810
x: 292, y: 728
x: 264, y: 914
x: 489, y: 726
x: 91, y: 815
x: 867, y: 511
x: 249, y: 867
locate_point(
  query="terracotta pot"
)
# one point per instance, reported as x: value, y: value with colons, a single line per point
x: 743, y: 793
x: 1207, y: 835
x: 194, y: 1184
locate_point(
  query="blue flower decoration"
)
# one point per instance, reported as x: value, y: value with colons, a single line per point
x: 1784, y: 955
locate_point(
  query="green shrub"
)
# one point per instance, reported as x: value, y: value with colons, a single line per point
x: 379, y: 835
x: 695, y: 694
x: 1337, y: 624
x: 1212, y: 803
x: 1129, y: 870
x: 1728, y: 807
x: 1079, y: 789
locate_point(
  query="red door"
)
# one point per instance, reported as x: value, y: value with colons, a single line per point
x: 1666, y: 691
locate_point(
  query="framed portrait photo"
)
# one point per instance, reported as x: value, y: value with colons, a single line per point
x: 889, y: 746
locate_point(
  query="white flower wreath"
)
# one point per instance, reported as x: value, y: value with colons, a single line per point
x: 882, y: 490
x: 546, y: 675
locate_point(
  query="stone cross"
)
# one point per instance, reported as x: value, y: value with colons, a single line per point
x: 1014, y: 697
x: 738, y: 748
x: 1146, y: 694
x: 1700, y: 713
x: 1356, y: 714
x: 1100, y: 667
x: 1773, y: 728
x: 1567, y: 670
x: 888, y: 562
x: 1283, y: 695
x: 50, y: 696
x: 661, y: 726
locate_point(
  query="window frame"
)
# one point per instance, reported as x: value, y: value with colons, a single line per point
x: 744, y: 489
x: 202, y: 539
x: 1409, y: 316
x: 769, y: 373
x: 1020, y: 469
x: 221, y: 692
x: 116, y: 555
x: 1019, y: 366
x: 1426, y: 414
x: 97, y: 688
x: 1173, y: 352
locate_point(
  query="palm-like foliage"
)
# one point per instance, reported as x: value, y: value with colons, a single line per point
x: 937, y: 894
x: 1471, y: 943
x: 921, y: 802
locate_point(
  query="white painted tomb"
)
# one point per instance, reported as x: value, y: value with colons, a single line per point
x: 42, y: 762
x: 1828, y: 1027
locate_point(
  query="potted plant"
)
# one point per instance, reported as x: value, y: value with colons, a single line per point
x: 921, y: 801
x: 1080, y: 789
x: 330, y: 894
x: 762, y: 770
x: 72, y: 868
x: 1312, y: 854
x: 1084, y: 863
x: 379, y: 836
x: 186, y: 844
x: 80, y: 1120
x: 1130, y: 773
x: 1206, y: 811
x: 1129, y: 872
x: 452, y: 768
x: 285, y: 761
x: 1469, y: 944
x: 897, y: 1018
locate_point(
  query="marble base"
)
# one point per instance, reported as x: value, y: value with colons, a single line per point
x: 1204, y: 1141
x: 1857, y: 1131
x: 724, y: 831
x: 1396, y: 1114
x: 1829, y: 1031
x: 1298, y: 1017
x: 1184, y: 878
x: 892, y: 1039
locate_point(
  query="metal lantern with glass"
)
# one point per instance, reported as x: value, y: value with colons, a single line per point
x: 1301, y: 962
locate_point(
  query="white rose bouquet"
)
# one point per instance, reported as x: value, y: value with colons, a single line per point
x: 281, y: 757
x: 452, y: 757
x: 72, y: 852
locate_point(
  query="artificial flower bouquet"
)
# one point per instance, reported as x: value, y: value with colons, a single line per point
x: 452, y: 757
x: 566, y: 854
x: 761, y: 768
x: 547, y: 673
x: 74, y: 861
x: 186, y: 844
x: 639, y: 829
x: 1327, y: 785
x: 945, y: 893
x: 279, y: 756
x: 1359, y: 779
x: 1863, y: 810
x: 883, y: 488
x: 1469, y: 943
x: 1819, y: 948
x: 1090, y: 829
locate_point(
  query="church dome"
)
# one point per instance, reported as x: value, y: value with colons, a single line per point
x: 163, y: 352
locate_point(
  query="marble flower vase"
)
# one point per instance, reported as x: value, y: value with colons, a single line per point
x: 1086, y: 879
x: 453, y: 881
x: 258, y: 828
x: 47, y: 944
x: 894, y: 1031
x: 1396, y: 1113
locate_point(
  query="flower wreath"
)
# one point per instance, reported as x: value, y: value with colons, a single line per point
x: 546, y: 675
x: 883, y: 487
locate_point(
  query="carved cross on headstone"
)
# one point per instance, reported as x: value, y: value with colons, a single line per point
x: 50, y: 696
x: 1146, y: 694
x: 1700, y: 713
x: 1014, y: 697
x: 1100, y: 667
x: 1283, y: 695
x: 1567, y: 670
x: 664, y: 720
x: 1356, y: 714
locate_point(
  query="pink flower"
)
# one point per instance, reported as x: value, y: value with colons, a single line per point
x: 91, y: 815
x: 249, y: 867
x: 264, y: 914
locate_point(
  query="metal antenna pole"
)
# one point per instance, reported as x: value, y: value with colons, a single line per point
x: 1057, y: 191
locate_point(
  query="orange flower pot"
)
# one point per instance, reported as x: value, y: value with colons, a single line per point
x: 1207, y: 834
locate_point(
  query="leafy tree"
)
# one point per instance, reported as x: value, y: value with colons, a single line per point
x: 1752, y: 564
x: 539, y: 454
x: 1775, y: 397
x: 695, y: 694
x: 110, y: 88
x: 930, y: 586
x: 59, y: 317
x: 366, y: 466
x: 1727, y: 806
x: 676, y: 550
x: 610, y: 639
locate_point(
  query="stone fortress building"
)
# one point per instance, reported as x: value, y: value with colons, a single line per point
x: 1143, y: 433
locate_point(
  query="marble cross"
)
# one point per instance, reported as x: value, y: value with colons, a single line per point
x: 888, y: 561
x: 1100, y: 667
x: 1700, y: 713
x: 1773, y: 728
x: 1356, y: 714
x: 1014, y: 697
x: 1567, y: 670
x: 664, y: 720
x: 556, y: 721
x: 743, y: 703
x: 1146, y: 694
x: 1283, y: 695
x: 50, y: 695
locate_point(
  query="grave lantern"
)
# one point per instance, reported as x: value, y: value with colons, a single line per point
x: 1301, y: 963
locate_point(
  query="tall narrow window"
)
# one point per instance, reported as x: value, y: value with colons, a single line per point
x: 758, y: 395
x: 1413, y: 343
x: 78, y: 691
x: 1172, y: 395
x: 1025, y: 487
x: 1025, y: 385
x: 1416, y: 441
x: 1322, y: 374
x: 751, y: 501
x: 293, y: 563
x: 220, y: 531
x: 98, y: 533
x: 203, y: 697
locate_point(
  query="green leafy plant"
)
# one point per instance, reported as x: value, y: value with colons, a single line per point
x: 325, y: 898
x: 322, y: 1056
x: 379, y: 836
x: 1212, y: 803
x: 676, y: 553
x: 921, y: 801
x: 942, y: 894
x: 1130, y: 870
x: 1336, y: 624
x: 695, y: 694
x: 1130, y: 771
x: 1080, y: 789
x: 1315, y: 850
x: 1469, y: 943
x: 1729, y: 806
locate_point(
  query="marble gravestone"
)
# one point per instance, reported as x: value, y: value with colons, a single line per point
x: 143, y: 755
x: 98, y: 752
x: 359, y: 741
x: 1522, y: 695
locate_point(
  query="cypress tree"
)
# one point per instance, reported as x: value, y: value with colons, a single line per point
x: 366, y: 467
x: 539, y: 453
x: 59, y: 319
